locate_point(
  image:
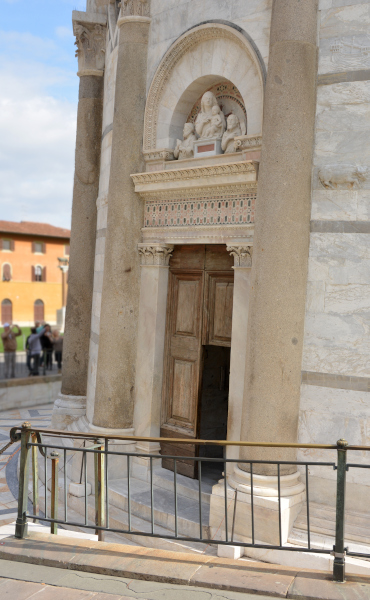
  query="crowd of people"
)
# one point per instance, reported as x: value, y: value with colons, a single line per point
x: 40, y: 346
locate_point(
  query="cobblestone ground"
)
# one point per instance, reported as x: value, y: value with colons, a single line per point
x: 39, y: 416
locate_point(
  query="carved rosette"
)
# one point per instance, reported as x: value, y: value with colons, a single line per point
x: 90, y: 42
x: 155, y: 254
x: 242, y: 255
x: 135, y: 8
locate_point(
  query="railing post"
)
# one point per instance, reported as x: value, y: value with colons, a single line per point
x: 21, y: 527
x: 54, y: 490
x: 339, y: 552
x: 35, y: 477
x: 99, y: 463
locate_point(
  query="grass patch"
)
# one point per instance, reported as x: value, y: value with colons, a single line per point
x: 21, y: 339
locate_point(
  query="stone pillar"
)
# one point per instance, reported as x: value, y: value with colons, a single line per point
x: 278, y: 279
x: 115, y: 382
x: 242, y: 273
x: 150, y: 344
x: 281, y: 239
x: 90, y: 42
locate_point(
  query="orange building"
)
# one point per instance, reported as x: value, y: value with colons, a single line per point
x: 33, y: 286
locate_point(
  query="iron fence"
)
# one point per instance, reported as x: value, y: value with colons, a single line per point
x: 32, y: 442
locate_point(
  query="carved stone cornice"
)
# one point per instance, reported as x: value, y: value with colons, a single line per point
x: 155, y: 254
x: 242, y: 255
x: 247, y: 142
x: 225, y: 192
x: 90, y: 42
x: 211, y: 176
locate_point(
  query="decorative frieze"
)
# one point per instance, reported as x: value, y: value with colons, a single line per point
x: 90, y: 42
x: 353, y: 52
x: 194, y: 173
x: 242, y: 255
x: 155, y: 254
x: 135, y: 8
x: 342, y: 176
x: 207, y: 211
x: 247, y: 142
x: 159, y: 154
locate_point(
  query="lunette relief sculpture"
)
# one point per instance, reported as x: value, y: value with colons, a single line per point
x: 345, y: 177
x: 90, y: 42
x: 232, y: 131
x: 139, y: 8
x: 185, y: 148
x: 210, y: 123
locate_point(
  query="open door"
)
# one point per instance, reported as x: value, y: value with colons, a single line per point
x: 182, y: 367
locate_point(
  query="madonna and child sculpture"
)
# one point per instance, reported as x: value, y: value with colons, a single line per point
x: 210, y: 121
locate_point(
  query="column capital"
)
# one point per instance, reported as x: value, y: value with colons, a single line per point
x: 242, y: 255
x: 155, y: 254
x: 90, y: 42
x: 134, y: 10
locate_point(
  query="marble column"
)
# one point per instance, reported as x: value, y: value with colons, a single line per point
x: 281, y: 238
x: 115, y: 381
x: 150, y: 344
x: 242, y: 274
x: 90, y: 42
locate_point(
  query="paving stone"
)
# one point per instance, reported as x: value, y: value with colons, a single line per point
x: 321, y: 587
x: 11, y: 589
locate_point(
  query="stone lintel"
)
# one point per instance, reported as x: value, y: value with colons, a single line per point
x: 79, y: 16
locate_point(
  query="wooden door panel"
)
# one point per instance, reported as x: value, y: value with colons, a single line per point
x: 218, y: 308
x: 183, y: 375
x: 187, y: 314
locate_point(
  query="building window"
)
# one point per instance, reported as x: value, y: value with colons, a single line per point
x: 66, y: 250
x: 6, y: 311
x: 38, y: 247
x: 38, y: 273
x: 7, y: 272
x: 38, y: 311
x: 7, y: 245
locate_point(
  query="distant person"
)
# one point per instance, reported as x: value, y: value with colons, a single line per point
x: 47, y: 347
x: 35, y: 349
x: 39, y: 326
x: 58, y: 349
x: 28, y: 353
x: 10, y: 347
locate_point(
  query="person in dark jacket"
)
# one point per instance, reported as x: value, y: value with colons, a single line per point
x: 47, y: 347
x: 35, y: 348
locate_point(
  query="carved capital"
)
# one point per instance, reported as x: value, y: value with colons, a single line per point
x: 155, y: 254
x: 90, y: 42
x: 242, y: 255
x: 135, y: 8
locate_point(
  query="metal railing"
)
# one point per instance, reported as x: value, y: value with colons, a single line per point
x: 33, y: 443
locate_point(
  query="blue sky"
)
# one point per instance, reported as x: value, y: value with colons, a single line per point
x: 38, y: 104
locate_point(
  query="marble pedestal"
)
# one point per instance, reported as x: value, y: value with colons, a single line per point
x: 265, y: 507
x: 66, y: 410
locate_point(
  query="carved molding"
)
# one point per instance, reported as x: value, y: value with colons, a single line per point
x: 242, y: 255
x: 160, y: 154
x: 155, y: 254
x: 178, y: 175
x: 135, y: 8
x: 185, y: 44
x: 224, y: 192
x: 90, y: 42
x: 247, y: 142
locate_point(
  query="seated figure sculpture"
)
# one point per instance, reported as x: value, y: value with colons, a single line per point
x: 233, y: 130
x: 185, y: 148
x: 210, y: 121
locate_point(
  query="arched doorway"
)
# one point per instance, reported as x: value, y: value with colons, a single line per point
x: 38, y: 310
x: 6, y: 311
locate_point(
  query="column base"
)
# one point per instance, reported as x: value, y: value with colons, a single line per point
x: 117, y: 465
x: 66, y: 410
x: 265, y: 507
x: 142, y: 463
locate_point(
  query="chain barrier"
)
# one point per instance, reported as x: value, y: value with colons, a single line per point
x: 7, y: 446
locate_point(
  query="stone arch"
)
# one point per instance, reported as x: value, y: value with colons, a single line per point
x: 201, y: 57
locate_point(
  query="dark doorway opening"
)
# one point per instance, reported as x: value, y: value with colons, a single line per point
x: 213, y: 406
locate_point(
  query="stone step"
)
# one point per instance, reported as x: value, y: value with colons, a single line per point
x: 298, y: 537
x: 164, y: 507
x: 189, y: 488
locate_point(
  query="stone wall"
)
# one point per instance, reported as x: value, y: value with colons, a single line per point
x: 336, y: 357
x: 31, y: 391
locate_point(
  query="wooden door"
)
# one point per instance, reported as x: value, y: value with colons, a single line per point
x: 182, y: 367
x: 218, y: 308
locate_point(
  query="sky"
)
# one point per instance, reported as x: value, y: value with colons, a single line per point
x: 38, y: 108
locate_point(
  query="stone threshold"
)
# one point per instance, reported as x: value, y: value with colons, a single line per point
x: 181, y: 568
x: 9, y: 383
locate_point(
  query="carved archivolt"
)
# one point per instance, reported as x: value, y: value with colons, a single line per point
x: 183, y: 45
x: 155, y: 254
x: 242, y: 255
x: 90, y: 42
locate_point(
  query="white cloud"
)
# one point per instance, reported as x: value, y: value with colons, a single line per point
x: 37, y: 138
x: 64, y: 32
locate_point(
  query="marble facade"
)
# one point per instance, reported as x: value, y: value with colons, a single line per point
x: 194, y: 46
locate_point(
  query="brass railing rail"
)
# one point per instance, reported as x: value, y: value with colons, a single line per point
x: 32, y: 442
